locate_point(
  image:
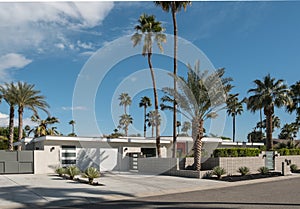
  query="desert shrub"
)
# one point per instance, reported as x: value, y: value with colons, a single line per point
x: 60, y: 171
x: 293, y: 168
x: 244, y: 170
x: 72, y: 171
x: 236, y: 152
x: 91, y: 173
x: 263, y: 170
x: 218, y: 171
x: 208, y: 175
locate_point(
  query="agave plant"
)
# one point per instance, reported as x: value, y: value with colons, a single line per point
x: 60, y: 171
x: 218, y: 171
x: 293, y: 168
x: 91, y: 173
x: 244, y: 170
x: 263, y: 170
x: 72, y: 171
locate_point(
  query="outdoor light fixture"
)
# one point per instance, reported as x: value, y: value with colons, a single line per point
x: 52, y: 148
x: 125, y: 149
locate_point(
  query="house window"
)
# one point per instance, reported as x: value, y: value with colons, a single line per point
x: 68, y: 155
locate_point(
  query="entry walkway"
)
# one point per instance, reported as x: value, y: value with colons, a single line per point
x: 36, y: 191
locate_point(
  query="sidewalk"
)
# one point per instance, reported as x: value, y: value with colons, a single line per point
x: 35, y: 191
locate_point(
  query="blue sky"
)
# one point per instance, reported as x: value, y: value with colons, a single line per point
x: 48, y: 44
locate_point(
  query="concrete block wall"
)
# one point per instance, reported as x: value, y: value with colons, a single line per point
x: 295, y: 159
x: 232, y: 164
x: 157, y: 165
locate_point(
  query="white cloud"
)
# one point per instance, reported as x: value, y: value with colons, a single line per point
x: 11, y: 61
x: 87, y: 53
x: 22, y: 29
x: 84, y: 45
x: 74, y: 108
x: 60, y: 46
x: 4, y: 120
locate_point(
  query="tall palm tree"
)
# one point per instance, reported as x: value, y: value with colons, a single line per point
x: 28, y: 97
x: 145, y: 102
x: 72, y: 123
x: 125, y: 100
x: 174, y: 7
x: 234, y: 108
x: 8, y: 93
x: 125, y: 121
x: 268, y: 93
x: 152, y: 119
x: 200, y: 97
x: 295, y: 105
x: 42, y: 128
x: 148, y: 28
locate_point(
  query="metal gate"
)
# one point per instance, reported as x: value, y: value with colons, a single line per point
x: 14, y: 162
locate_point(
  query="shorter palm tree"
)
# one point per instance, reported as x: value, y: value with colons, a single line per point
x: 268, y: 94
x: 125, y: 121
x: 145, y: 102
x: 234, y: 108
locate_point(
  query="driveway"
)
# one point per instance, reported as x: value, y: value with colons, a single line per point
x: 36, y: 191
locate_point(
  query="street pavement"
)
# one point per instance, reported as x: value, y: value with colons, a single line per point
x: 131, y: 190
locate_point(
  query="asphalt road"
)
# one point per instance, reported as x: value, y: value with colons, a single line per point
x: 283, y: 194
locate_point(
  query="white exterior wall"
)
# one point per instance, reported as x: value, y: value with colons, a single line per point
x: 46, y: 161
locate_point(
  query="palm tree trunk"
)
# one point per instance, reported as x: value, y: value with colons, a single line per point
x: 152, y: 130
x: 260, y: 117
x: 198, y: 146
x: 73, y: 129
x: 145, y: 128
x: 157, y: 128
x: 269, y: 141
x: 233, y: 128
x: 11, y: 127
x: 175, y: 86
x: 20, y: 111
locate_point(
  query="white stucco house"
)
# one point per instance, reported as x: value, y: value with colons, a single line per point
x: 116, y: 154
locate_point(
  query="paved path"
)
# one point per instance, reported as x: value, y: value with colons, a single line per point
x: 35, y: 191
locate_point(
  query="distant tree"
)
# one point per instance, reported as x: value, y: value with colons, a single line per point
x: 178, y: 124
x: 256, y: 136
x: 152, y: 119
x: 295, y: 105
x: 43, y: 129
x: 72, y: 123
x: 289, y: 131
x: 125, y: 100
x: 125, y: 121
x: 275, y: 123
x: 186, y: 127
x: 268, y: 94
x: 145, y: 102
x: 234, y: 108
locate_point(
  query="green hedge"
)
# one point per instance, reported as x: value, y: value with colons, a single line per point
x: 236, y: 152
x: 286, y: 151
